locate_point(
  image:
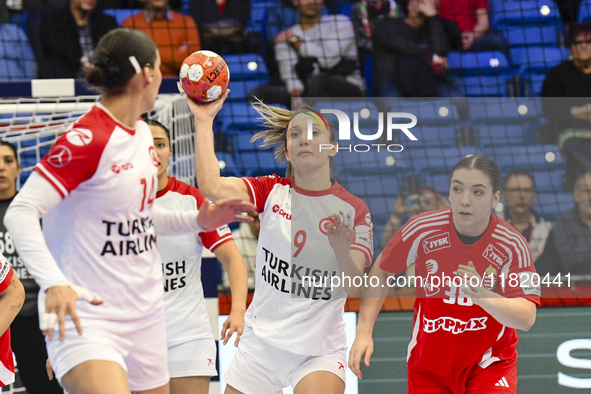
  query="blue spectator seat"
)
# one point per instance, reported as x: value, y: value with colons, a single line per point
x: 439, y: 182
x: 525, y: 12
x: 549, y: 181
x: 482, y: 73
x: 257, y: 16
x: 585, y: 11
x: 364, y: 186
x: 121, y: 14
x: 241, y: 141
x: 538, y: 58
x: 380, y: 209
x: 439, y: 160
x: 227, y: 165
x: 248, y: 66
x: 532, y: 157
x: 432, y: 136
x: 347, y: 10
x: 504, y: 134
x: 532, y: 35
x: 368, y: 74
x: 239, y: 89
x: 550, y: 205
x: 370, y: 163
x: 17, y: 61
x: 478, y: 63
x: 431, y: 111
x: 506, y: 110
x: 259, y: 163
x: 236, y: 115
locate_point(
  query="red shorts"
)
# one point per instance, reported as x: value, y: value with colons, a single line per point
x: 497, y: 378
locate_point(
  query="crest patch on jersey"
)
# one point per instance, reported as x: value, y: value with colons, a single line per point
x: 79, y: 137
x: 489, y: 279
x: 493, y: 255
x: 439, y: 241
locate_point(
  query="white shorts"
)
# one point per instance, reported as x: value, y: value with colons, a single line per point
x: 193, y: 358
x: 139, y: 347
x: 259, y: 368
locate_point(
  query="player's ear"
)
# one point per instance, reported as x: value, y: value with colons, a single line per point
x: 148, y: 73
x: 496, y: 199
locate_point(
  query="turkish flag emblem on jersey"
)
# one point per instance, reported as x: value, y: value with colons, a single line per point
x: 79, y: 137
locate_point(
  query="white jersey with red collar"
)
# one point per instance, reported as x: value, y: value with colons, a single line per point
x: 184, y: 304
x: 451, y: 334
x: 6, y: 358
x: 101, y: 233
x: 286, y: 312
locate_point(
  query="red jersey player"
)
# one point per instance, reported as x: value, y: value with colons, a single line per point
x: 477, y: 285
x: 12, y: 297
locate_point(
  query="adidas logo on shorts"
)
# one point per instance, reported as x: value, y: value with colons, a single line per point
x: 502, y: 382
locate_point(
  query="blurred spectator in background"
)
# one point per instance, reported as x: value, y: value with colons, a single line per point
x: 247, y: 239
x: 317, y: 58
x: 365, y: 15
x: 569, y: 245
x: 175, y: 34
x: 28, y: 343
x: 17, y: 62
x: 472, y: 18
x: 570, y: 117
x: 411, y: 205
x: 519, y: 193
x: 222, y: 24
x: 69, y: 36
x: 410, y: 54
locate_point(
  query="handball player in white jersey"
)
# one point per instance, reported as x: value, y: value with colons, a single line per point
x: 192, y: 350
x: 310, y: 226
x: 95, y: 191
x: 464, y: 336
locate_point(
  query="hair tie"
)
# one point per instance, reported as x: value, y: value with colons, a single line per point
x: 135, y: 64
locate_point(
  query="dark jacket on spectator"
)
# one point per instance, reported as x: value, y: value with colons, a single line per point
x: 402, y: 53
x: 568, y: 81
x: 60, y: 41
x: 207, y: 11
x: 568, y: 247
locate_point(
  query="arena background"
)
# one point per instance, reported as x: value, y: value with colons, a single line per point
x: 502, y: 118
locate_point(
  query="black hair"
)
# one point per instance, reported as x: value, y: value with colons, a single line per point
x: 517, y: 173
x: 484, y: 164
x: 12, y: 148
x: 113, y: 67
x: 154, y: 122
x: 576, y: 30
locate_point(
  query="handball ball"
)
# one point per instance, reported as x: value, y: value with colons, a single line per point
x: 204, y: 76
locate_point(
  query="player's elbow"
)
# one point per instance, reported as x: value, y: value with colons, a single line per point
x: 528, y: 318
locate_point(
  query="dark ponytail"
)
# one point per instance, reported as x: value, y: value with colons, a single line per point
x: 113, y: 67
x: 484, y: 164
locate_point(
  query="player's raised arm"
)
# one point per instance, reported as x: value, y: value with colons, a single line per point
x: 211, y: 184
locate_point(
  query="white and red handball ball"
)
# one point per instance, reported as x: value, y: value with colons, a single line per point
x: 204, y: 76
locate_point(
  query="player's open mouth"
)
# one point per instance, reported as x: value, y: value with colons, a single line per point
x: 465, y: 214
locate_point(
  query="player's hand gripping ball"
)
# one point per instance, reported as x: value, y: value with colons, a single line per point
x: 204, y: 76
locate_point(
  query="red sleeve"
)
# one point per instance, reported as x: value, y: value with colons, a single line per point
x: 6, y: 273
x: 211, y: 239
x: 402, y: 250
x: 480, y: 4
x: 259, y: 188
x: 73, y: 159
x: 363, y: 226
